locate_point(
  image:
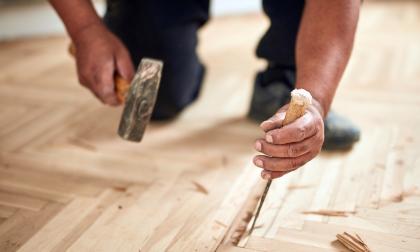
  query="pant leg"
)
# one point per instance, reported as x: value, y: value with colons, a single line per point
x: 166, y: 30
x: 278, y: 44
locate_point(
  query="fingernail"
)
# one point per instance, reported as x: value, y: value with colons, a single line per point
x: 269, y: 138
x: 266, y: 175
x: 259, y: 163
x: 258, y: 146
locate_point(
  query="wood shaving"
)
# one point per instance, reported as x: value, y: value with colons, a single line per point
x: 82, y: 144
x: 120, y: 188
x: 221, y: 223
x: 333, y: 213
x: 353, y: 242
x: 200, y: 188
x: 294, y: 187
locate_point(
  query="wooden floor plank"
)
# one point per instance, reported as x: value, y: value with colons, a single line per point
x: 63, y: 229
x: 68, y: 182
x: 22, y: 225
x: 21, y: 201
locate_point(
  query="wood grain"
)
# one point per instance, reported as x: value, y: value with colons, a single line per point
x: 68, y: 183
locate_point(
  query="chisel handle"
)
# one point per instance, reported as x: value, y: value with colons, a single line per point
x: 301, y: 99
x: 121, y: 85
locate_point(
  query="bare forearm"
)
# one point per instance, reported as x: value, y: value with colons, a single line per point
x: 324, y: 45
x: 76, y: 15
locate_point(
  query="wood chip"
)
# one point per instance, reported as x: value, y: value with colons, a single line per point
x: 294, y: 187
x: 334, y: 213
x: 353, y: 242
x: 221, y: 224
x: 200, y: 188
x: 81, y: 144
x: 120, y: 188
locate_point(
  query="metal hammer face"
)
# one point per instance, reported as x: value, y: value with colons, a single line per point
x: 140, y: 100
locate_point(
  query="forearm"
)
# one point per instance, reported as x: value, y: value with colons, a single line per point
x: 324, y: 45
x: 76, y: 15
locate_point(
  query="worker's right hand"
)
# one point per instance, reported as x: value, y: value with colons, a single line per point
x: 100, y: 55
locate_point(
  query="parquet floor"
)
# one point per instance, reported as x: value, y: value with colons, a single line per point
x: 67, y: 182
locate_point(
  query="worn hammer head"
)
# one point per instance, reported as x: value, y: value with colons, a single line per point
x: 140, y: 100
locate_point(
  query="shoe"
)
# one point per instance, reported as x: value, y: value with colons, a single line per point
x: 268, y: 98
x: 339, y: 132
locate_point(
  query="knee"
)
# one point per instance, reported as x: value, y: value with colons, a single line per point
x: 180, y: 87
x: 163, y: 112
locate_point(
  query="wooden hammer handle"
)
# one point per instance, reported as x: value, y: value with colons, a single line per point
x: 121, y: 85
x: 301, y: 99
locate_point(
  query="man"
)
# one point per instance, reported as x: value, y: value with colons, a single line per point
x: 307, y: 46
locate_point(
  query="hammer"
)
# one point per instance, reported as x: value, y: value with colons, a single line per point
x: 139, y: 97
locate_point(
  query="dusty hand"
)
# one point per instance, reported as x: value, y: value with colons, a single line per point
x: 100, y: 55
x: 289, y: 147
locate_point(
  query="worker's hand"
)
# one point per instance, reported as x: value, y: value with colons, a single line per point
x: 289, y: 147
x: 100, y: 55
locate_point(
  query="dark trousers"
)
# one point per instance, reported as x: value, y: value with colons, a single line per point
x: 167, y: 30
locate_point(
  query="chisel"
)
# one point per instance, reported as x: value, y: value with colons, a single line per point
x: 300, y: 100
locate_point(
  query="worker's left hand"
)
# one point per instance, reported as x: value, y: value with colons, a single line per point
x: 289, y: 147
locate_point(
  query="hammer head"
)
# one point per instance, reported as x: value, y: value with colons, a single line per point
x: 140, y: 100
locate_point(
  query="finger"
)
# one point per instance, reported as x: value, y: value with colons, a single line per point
x: 282, y: 164
x: 104, y: 84
x: 124, y: 64
x: 82, y: 80
x: 297, y: 131
x: 286, y: 150
x: 276, y: 121
x: 265, y: 174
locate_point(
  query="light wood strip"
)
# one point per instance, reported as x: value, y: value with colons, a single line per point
x: 21, y: 201
x: 17, y: 229
x: 60, y: 229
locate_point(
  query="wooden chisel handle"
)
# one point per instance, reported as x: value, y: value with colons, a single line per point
x: 121, y: 85
x: 301, y: 99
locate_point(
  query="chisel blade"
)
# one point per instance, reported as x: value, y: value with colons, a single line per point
x: 260, y: 204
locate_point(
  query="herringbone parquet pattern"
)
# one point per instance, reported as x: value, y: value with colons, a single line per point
x: 67, y: 182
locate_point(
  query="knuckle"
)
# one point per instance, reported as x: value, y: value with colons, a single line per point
x: 321, y: 137
x: 273, y: 164
x: 84, y: 73
x: 105, y: 94
x: 296, y: 163
x: 268, y: 150
x: 319, y: 126
x: 291, y: 150
x: 301, y: 131
x: 271, y: 150
x: 298, y: 149
x: 292, y: 163
x: 82, y: 80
